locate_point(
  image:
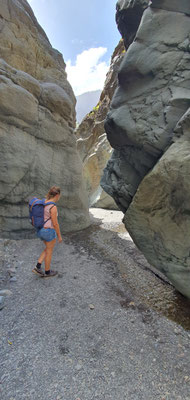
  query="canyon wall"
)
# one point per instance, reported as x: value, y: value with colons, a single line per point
x: 37, y: 122
x: 92, y: 144
x: 148, y: 127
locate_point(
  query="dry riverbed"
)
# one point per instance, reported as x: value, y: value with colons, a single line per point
x: 109, y: 327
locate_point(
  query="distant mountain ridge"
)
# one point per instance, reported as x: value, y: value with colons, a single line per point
x: 85, y: 103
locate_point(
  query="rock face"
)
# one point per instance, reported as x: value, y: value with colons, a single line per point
x: 128, y: 17
x: 148, y: 126
x: 37, y: 121
x: 92, y: 144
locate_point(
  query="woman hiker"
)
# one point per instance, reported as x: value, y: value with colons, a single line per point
x: 49, y: 233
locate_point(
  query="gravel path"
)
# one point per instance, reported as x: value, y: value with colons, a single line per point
x: 98, y: 331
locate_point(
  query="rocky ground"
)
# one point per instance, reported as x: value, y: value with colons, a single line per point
x: 107, y: 328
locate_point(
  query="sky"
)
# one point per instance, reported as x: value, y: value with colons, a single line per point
x: 85, y: 32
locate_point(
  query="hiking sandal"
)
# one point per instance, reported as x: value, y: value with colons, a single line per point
x: 52, y: 273
x: 38, y: 271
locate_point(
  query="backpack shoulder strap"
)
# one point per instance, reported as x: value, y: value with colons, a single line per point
x: 34, y: 202
x: 48, y: 202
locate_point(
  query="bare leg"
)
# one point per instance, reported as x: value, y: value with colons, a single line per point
x: 42, y: 256
x: 48, y: 253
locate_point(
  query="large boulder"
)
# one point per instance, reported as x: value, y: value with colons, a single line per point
x: 37, y: 122
x: 148, y: 126
x: 158, y: 218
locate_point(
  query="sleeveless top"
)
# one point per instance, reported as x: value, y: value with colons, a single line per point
x: 47, y: 215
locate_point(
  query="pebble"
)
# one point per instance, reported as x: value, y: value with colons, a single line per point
x: 5, y: 292
x: 12, y: 271
x: 13, y: 279
x: 78, y: 367
x: 91, y: 306
x: 2, y: 300
x: 6, y: 242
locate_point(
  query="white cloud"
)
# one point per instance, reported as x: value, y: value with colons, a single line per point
x: 89, y: 72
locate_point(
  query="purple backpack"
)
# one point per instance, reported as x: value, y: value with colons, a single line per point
x: 36, y: 212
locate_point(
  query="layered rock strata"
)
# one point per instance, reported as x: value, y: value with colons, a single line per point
x: 148, y: 126
x: 37, y: 121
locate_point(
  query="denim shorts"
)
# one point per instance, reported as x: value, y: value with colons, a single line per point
x: 46, y: 234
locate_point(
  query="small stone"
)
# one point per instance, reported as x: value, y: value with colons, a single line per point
x: 6, y: 242
x: 2, y: 300
x: 12, y: 271
x: 91, y: 306
x: 5, y: 292
x: 187, y: 378
x: 78, y: 367
x: 13, y: 279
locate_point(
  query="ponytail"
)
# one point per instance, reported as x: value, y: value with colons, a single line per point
x: 52, y: 192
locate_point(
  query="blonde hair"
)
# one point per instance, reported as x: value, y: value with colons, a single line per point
x: 52, y: 192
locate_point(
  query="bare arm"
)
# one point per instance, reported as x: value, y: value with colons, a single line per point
x: 55, y: 222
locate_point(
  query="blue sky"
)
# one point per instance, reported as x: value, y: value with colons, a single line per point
x: 85, y: 32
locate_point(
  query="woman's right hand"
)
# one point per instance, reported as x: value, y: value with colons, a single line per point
x: 60, y: 239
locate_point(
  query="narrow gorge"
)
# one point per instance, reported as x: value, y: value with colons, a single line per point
x: 145, y: 109
x: 113, y: 320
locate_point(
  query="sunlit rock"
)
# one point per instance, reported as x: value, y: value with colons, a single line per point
x: 37, y: 122
x: 92, y: 142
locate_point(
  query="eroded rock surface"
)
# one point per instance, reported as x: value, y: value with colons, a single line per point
x: 148, y: 126
x: 37, y: 121
x: 128, y: 17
